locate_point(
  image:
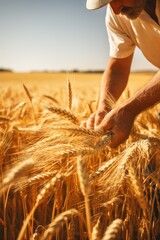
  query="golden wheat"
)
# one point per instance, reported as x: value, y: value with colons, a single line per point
x: 58, y: 221
x: 112, y: 230
x: 69, y: 183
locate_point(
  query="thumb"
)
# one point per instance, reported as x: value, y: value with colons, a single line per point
x: 107, y: 123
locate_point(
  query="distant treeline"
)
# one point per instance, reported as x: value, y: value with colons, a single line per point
x: 70, y: 71
x: 5, y: 70
x: 54, y: 71
x: 84, y: 71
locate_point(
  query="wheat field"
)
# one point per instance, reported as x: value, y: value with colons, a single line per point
x: 61, y: 181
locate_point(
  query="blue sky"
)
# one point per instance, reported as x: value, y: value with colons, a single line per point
x: 55, y: 35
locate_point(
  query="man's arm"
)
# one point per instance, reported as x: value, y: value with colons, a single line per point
x: 146, y: 97
x: 114, y: 81
x: 120, y: 119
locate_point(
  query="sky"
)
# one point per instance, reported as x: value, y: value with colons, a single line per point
x: 55, y: 35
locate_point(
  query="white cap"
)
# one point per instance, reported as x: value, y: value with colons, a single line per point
x: 95, y: 4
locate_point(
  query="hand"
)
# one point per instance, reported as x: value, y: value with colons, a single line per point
x: 94, y: 119
x: 119, y: 121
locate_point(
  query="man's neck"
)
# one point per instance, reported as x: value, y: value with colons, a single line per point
x: 150, y: 9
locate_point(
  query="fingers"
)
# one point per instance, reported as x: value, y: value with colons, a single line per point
x: 98, y: 118
x: 90, y: 121
x: 107, y: 123
x: 95, y: 119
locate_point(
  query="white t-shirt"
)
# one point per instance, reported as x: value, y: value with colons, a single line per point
x: 143, y: 32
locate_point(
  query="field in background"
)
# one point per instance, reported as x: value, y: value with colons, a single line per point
x: 44, y: 81
x: 86, y: 84
x: 63, y: 182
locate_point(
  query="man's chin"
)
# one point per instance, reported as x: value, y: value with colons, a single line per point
x: 132, y: 16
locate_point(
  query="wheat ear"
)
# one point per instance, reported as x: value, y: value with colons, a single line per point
x: 69, y: 93
x: 64, y: 113
x: 51, y: 98
x: 31, y: 101
x: 58, y: 221
x: 28, y: 93
x: 102, y: 168
x: 18, y: 171
x: 47, y: 189
x: 138, y: 190
x: 84, y: 185
x: 38, y: 233
x: 112, y: 230
x: 40, y: 177
x: 95, y: 231
x: 80, y: 130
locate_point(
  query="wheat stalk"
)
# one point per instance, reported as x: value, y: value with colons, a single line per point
x: 123, y: 182
x: 71, y: 230
x: 84, y: 185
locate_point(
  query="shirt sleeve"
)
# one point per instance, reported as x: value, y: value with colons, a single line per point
x: 120, y: 43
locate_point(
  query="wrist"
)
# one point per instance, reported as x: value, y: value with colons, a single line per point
x: 104, y: 106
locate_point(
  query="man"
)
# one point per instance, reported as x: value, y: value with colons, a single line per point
x: 129, y: 23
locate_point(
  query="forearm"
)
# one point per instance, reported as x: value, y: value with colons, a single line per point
x: 114, y: 80
x: 112, y: 84
x: 146, y: 97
